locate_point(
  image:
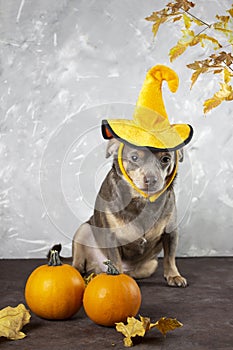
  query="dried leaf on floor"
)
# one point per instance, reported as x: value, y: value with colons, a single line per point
x: 165, y: 325
x: 135, y: 327
x: 12, y: 320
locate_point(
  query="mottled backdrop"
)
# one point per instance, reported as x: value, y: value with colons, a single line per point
x: 64, y: 66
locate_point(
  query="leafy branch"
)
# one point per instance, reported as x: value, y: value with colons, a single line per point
x: 194, y: 32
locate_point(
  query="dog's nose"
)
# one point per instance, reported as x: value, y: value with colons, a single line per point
x: 150, y: 180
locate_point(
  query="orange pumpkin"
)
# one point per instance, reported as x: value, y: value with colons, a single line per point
x: 111, y: 297
x: 54, y: 291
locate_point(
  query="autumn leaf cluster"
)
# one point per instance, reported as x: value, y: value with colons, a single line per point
x: 135, y: 327
x: 196, y: 31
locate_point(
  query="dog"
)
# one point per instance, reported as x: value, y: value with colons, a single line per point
x: 126, y: 227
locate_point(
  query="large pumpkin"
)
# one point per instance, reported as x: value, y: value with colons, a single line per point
x: 54, y: 291
x: 111, y: 297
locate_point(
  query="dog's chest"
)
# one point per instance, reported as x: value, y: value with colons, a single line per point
x: 151, y: 224
x: 147, y: 244
x: 155, y: 217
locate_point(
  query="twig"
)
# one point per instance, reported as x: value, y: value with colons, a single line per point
x: 198, y: 19
x: 228, y: 66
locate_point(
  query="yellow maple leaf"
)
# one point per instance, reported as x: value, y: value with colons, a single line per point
x: 213, y: 40
x: 157, y: 24
x: 12, y: 319
x: 229, y: 97
x: 175, y: 19
x: 217, y: 71
x: 227, y: 75
x: 188, y: 38
x: 198, y: 21
x: 165, y: 325
x: 196, y: 74
x: 222, y: 24
x: 145, y: 323
x: 223, y: 30
x: 224, y: 92
x: 177, y: 50
x: 202, y: 38
x: 223, y: 19
x: 135, y: 327
x: 195, y: 65
x: 158, y: 17
x: 211, y: 103
x: 185, y: 5
x: 187, y: 21
x: 230, y: 11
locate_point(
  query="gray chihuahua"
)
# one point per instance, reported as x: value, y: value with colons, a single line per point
x: 126, y: 227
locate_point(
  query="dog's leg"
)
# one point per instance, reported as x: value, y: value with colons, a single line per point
x: 171, y: 272
x: 112, y: 251
x: 90, y: 250
x: 87, y: 257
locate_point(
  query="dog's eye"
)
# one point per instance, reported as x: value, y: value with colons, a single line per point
x: 134, y: 158
x: 165, y: 160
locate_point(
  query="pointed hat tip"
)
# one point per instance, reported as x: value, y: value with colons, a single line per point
x: 151, y: 93
x: 161, y: 72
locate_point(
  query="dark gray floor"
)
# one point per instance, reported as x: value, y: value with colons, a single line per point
x: 205, y: 308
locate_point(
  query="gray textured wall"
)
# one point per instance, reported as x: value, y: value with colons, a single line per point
x: 65, y: 65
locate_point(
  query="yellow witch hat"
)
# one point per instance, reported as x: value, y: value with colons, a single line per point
x: 150, y: 126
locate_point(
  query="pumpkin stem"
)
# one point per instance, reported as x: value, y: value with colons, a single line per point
x: 112, y: 270
x: 54, y: 258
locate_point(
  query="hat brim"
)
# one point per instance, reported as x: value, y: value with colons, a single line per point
x: 173, y: 137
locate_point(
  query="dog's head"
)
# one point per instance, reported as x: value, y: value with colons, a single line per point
x: 147, y: 169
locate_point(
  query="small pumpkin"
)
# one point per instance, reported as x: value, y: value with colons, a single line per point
x: 55, y: 290
x: 111, y: 297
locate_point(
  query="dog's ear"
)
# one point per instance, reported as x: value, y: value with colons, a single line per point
x: 181, y: 155
x: 112, y: 147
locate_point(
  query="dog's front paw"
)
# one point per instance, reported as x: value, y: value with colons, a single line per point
x: 177, y: 281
